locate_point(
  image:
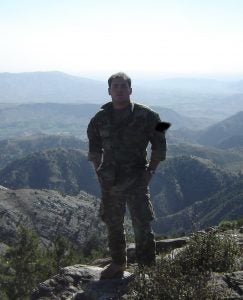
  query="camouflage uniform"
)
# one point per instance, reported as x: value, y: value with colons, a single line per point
x: 122, y: 145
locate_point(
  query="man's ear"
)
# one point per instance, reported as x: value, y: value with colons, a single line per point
x: 109, y: 91
x: 130, y: 91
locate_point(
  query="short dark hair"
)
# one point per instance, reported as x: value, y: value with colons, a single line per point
x: 120, y: 75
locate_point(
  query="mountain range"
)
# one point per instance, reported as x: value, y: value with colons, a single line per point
x: 179, y: 183
x: 210, y: 99
x: 56, y: 118
x: 43, y: 149
x: 223, y: 132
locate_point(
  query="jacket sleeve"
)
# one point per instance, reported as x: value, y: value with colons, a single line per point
x: 95, y: 143
x: 157, y: 139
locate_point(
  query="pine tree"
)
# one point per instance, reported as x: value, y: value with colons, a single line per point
x: 23, y: 260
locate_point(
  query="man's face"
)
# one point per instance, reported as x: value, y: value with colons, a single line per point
x: 120, y: 91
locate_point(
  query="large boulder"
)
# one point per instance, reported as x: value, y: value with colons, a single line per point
x: 81, y: 282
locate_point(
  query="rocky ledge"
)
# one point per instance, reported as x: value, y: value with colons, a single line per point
x: 81, y: 282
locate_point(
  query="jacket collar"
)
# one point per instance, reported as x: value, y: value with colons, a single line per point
x: 108, y: 106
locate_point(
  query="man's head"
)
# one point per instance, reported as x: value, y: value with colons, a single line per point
x: 120, y: 89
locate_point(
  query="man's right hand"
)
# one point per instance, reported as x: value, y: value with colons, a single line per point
x: 96, y: 164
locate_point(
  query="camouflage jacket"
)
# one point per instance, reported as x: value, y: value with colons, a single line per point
x: 125, y: 144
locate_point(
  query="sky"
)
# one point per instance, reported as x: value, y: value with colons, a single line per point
x: 152, y: 36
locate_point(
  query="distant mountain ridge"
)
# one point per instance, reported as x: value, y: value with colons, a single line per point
x: 221, y: 131
x: 231, y: 159
x: 50, y: 87
x: 60, y: 118
x: 59, y: 87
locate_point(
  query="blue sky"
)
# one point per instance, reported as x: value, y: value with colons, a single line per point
x: 173, y: 36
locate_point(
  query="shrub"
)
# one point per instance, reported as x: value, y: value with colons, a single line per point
x: 231, y: 224
x: 187, y: 274
x: 227, y: 225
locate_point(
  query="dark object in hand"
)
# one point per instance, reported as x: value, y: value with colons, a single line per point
x: 162, y: 126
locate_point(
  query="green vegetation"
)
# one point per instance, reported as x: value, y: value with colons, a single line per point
x: 231, y: 224
x: 25, y: 264
x: 188, y: 273
x: 64, y: 170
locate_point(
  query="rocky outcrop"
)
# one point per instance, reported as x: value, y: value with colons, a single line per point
x: 82, y: 282
x: 49, y: 214
x: 2, y: 188
x: 230, y: 284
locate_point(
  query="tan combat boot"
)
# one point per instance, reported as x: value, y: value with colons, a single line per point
x: 113, y: 271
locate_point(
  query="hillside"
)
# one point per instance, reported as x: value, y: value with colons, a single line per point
x: 49, y: 214
x: 13, y: 149
x: 230, y: 159
x: 56, y: 118
x: 235, y: 141
x: 50, y: 87
x: 179, y: 182
x: 228, y: 128
x: 226, y: 204
x: 182, y: 181
x: 65, y: 170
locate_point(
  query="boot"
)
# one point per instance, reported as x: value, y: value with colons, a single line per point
x: 113, y: 271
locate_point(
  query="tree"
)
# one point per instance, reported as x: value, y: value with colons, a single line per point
x: 23, y: 261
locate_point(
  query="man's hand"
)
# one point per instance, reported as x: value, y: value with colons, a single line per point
x: 149, y: 172
x: 96, y: 164
x: 153, y: 164
x: 147, y: 175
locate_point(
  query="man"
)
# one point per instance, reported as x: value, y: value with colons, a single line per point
x: 118, y: 137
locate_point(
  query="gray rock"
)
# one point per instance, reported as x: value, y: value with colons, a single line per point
x: 235, y: 282
x: 229, y: 285
x: 2, y: 188
x: 49, y: 214
x: 170, y: 244
x: 81, y: 282
x: 241, y: 230
x: 161, y: 246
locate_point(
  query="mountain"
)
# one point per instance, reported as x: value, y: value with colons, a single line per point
x: 56, y: 118
x: 206, y: 99
x: 49, y: 214
x: 49, y: 118
x: 182, y: 181
x: 226, y: 204
x: 65, y: 170
x: 50, y: 87
x: 216, y: 134
x: 230, y: 159
x: 179, y: 183
x: 13, y: 149
x: 235, y: 141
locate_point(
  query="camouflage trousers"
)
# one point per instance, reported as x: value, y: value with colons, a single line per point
x: 134, y: 192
